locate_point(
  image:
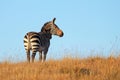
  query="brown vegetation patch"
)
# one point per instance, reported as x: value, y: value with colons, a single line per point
x: 65, y: 69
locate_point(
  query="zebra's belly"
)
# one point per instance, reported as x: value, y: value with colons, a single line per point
x: 42, y: 48
x: 39, y: 48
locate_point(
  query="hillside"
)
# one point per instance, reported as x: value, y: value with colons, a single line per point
x: 65, y: 69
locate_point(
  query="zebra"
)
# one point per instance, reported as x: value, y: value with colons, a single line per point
x: 40, y: 41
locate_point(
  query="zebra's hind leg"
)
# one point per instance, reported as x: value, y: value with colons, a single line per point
x: 40, y: 56
x: 28, y: 55
x: 33, y: 56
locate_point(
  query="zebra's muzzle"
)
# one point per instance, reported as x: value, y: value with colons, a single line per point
x: 60, y: 33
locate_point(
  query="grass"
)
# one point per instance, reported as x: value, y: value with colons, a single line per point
x: 65, y: 69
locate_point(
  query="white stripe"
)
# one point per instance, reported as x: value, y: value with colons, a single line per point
x: 34, y: 44
x: 34, y: 39
x: 26, y: 44
x: 25, y: 39
x: 35, y: 47
x: 26, y: 48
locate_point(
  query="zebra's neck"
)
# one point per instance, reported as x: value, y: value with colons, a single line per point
x: 47, y: 35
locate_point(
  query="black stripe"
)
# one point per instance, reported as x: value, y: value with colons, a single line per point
x: 34, y: 49
x: 25, y: 46
x: 25, y: 36
x: 35, y: 36
x: 25, y: 41
x: 35, y: 41
x: 36, y: 45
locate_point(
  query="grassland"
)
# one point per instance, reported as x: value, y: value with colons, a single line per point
x: 65, y: 69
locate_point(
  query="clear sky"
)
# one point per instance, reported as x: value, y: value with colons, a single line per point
x: 91, y: 27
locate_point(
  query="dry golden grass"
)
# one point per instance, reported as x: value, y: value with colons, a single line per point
x: 65, y: 69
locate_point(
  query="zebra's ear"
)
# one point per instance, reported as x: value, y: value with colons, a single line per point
x: 54, y: 20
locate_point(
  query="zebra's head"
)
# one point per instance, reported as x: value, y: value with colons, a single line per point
x: 52, y: 28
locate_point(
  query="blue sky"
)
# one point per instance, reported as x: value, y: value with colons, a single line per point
x: 91, y: 27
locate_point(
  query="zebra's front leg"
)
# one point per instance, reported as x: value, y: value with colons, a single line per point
x: 33, y: 56
x: 44, y: 55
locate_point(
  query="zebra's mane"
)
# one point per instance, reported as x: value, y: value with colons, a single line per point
x: 43, y: 28
x: 44, y: 31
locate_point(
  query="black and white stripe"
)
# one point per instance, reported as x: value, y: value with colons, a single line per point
x: 40, y: 41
